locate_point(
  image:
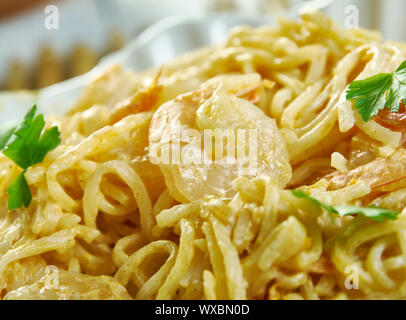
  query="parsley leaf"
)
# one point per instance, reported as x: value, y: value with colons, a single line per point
x: 372, y: 212
x: 26, y: 145
x: 19, y: 193
x: 385, y: 90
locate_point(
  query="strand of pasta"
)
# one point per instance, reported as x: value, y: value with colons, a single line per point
x: 182, y: 263
x: 126, y: 173
x: 148, y: 286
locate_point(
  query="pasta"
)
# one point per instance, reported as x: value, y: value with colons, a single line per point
x: 111, y: 220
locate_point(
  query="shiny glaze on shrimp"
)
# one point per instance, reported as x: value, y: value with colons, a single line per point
x: 216, y: 106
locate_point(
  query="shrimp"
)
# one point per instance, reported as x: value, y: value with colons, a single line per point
x: 142, y: 100
x: 216, y: 108
x: 379, y: 173
x: 393, y: 120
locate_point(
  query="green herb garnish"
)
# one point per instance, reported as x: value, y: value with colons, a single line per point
x: 372, y: 212
x: 26, y: 145
x: 384, y: 90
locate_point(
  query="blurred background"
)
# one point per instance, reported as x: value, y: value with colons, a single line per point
x: 34, y: 54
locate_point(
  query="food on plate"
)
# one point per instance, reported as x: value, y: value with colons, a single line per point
x: 272, y: 166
